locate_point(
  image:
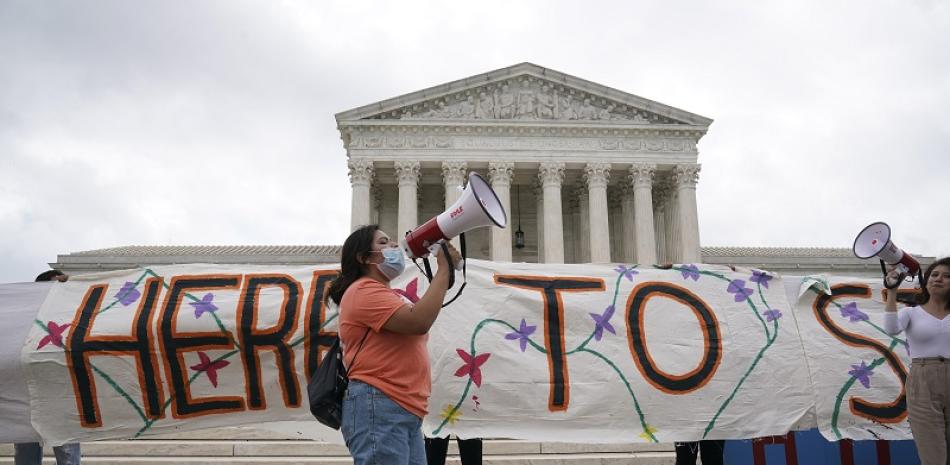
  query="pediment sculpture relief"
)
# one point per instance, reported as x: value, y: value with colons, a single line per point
x: 525, y: 99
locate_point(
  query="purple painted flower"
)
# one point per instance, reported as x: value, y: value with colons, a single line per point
x: 522, y: 334
x: 772, y: 314
x: 602, y: 322
x: 761, y: 277
x: 690, y: 271
x: 205, y: 305
x: 626, y: 272
x: 128, y: 294
x: 852, y: 312
x: 862, y: 373
x: 737, y: 287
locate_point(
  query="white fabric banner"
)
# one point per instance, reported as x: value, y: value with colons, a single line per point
x: 579, y: 353
x: 857, y: 370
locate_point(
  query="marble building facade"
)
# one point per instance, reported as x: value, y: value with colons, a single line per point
x: 589, y: 173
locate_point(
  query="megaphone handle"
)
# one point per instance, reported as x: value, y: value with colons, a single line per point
x: 448, y: 258
x: 887, y: 283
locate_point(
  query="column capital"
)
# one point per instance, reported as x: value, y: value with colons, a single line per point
x: 361, y: 171
x: 641, y: 174
x: 407, y: 172
x: 596, y: 174
x: 551, y: 174
x: 626, y: 188
x: 501, y: 172
x: 453, y: 172
x: 537, y: 188
x: 686, y: 175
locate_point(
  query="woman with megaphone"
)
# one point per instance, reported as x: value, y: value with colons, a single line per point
x: 928, y: 334
x: 389, y: 387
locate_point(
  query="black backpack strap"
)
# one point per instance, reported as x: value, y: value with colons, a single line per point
x: 358, y: 349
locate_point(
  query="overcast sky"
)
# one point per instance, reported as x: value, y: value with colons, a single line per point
x: 185, y: 123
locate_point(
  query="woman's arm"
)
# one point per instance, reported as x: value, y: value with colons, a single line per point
x: 892, y: 323
x: 418, y: 318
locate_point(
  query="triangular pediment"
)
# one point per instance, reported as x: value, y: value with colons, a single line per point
x: 523, y: 92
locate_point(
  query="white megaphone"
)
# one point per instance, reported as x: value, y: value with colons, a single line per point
x: 477, y: 206
x: 875, y: 240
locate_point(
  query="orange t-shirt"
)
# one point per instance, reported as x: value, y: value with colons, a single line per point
x: 396, y: 364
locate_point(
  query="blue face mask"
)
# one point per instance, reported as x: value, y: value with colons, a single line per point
x: 393, y: 264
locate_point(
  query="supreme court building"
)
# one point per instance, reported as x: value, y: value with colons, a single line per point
x: 587, y: 173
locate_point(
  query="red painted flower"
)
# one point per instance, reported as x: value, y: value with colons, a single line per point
x: 55, y: 335
x: 210, y: 368
x: 472, y: 367
x: 411, y: 291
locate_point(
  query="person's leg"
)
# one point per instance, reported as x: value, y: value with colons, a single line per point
x: 27, y: 453
x: 378, y: 431
x: 686, y: 452
x: 417, y: 447
x: 436, y: 448
x: 67, y: 454
x: 470, y: 451
x: 711, y: 451
x: 926, y: 414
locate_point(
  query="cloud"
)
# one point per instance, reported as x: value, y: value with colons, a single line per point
x: 212, y: 122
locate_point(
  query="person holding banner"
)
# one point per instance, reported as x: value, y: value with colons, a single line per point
x: 711, y: 452
x: 928, y: 334
x: 31, y: 453
x: 390, y: 382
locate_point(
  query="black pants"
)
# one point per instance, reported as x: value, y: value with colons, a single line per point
x: 470, y: 450
x: 710, y: 451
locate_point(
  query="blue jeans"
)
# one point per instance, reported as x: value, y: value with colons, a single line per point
x: 31, y: 453
x: 379, y: 431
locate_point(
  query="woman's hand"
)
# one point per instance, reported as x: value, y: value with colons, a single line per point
x: 443, y: 262
x: 893, y: 278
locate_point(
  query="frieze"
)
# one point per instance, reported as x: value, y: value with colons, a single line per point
x: 627, y: 144
x: 525, y: 98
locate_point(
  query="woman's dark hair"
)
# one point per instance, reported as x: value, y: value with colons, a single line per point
x: 355, y: 248
x: 924, y: 295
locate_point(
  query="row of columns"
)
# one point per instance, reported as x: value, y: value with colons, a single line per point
x: 661, y: 227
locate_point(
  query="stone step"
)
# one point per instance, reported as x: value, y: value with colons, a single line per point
x: 640, y: 458
x: 304, y: 448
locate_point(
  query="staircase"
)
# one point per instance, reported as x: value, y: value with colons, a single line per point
x: 256, y: 447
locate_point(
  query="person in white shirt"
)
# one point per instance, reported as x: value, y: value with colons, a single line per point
x: 927, y: 326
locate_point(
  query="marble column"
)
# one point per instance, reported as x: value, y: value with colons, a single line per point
x: 407, y: 174
x: 641, y: 176
x: 596, y: 175
x: 672, y: 223
x: 500, y: 174
x: 628, y: 223
x: 539, y: 217
x: 573, y: 206
x: 614, y: 201
x: 453, y: 179
x: 376, y: 196
x: 361, y: 178
x: 583, y: 227
x: 659, y: 224
x: 686, y: 176
x: 551, y: 175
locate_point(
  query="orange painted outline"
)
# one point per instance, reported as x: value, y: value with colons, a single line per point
x: 180, y: 353
x: 273, y: 329
x: 547, y: 343
x: 310, y: 338
x: 706, y: 337
x: 854, y: 399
